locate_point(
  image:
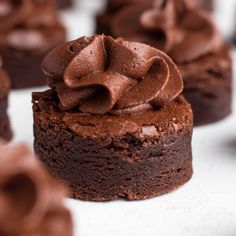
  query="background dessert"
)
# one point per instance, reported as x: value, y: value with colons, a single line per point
x: 5, y: 129
x: 114, y: 6
x: 190, y: 37
x: 113, y: 120
x: 31, y: 200
x: 28, y: 30
x: 63, y: 3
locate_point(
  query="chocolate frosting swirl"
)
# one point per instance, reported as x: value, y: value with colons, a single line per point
x: 101, y: 75
x: 31, y: 201
x: 178, y: 27
x: 29, y: 25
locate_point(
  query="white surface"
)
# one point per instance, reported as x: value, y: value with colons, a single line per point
x: 225, y: 15
x: 205, y: 206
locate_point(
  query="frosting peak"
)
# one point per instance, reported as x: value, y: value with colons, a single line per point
x: 101, y: 75
x: 178, y: 27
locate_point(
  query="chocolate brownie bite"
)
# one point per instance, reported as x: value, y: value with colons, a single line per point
x: 113, y: 7
x: 61, y: 4
x: 31, y: 200
x: 5, y: 129
x: 208, y: 86
x: 113, y: 125
x: 28, y: 30
x: 189, y: 36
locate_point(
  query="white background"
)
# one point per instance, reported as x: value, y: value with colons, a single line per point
x: 205, y: 206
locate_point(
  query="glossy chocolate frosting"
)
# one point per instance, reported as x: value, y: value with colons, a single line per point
x: 178, y: 27
x: 31, y: 201
x: 101, y: 75
x: 29, y: 25
x: 4, y: 81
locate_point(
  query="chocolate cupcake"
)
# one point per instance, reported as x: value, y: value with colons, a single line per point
x: 113, y: 125
x: 5, y: 129
x: 31, y: 201
x: 114, y: 6
x: 61, y: 4
x: 189, y: 36
x: 28, y: 30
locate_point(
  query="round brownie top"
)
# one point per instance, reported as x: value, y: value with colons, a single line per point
x: 174, y: 117
x: 31, y: 200
x: 179, y: 28
x: 4, y: 81
x: 29, y: 25
x: 101, y: 75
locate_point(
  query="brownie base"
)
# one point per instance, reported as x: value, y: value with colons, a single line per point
x: 208, y: 86
x: 61, y: 4
x: 24, y: 69
x: 108, y: 157
x: 208, y: 108
x: 5, y: 128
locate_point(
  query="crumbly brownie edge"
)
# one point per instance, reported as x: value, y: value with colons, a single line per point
x: 5, y: 128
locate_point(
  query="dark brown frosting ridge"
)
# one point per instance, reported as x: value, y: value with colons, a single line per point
x: 101, y: 75
x: 31, y: 201
x: 177, y: 27
x: 29, y: 24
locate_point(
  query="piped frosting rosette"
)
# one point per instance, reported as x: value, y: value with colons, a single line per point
x: 101, y: 75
